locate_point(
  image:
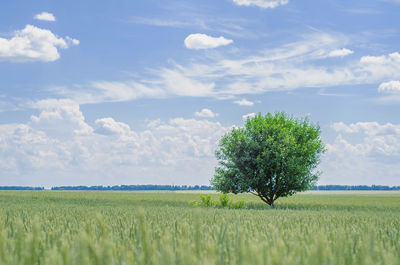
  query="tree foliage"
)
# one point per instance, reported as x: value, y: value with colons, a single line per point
x: 272, y: 156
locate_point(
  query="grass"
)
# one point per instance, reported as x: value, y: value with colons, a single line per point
x: 162, y: 228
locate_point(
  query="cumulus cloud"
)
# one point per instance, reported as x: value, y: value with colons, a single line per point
x: 368, y: 128
x: 202, y: 41
x: 205, y: 113
x: 244, y: 102
x: 261, y: 3
x: 108, y: 126
x: 248, y: 116
x: 45, y: 16
x: 59, y: 118
x: 25, y: 149
x: 367, y: 153
x: 381, y: 59
x: 58, y: 147
x: 390, y: 87
x: 340, y: 52
x: 33, y: 44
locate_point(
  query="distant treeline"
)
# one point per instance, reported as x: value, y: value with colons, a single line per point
x: 20, y: 188
x: 134, y: 187
x: 186, y: 187
x: 358, y: 187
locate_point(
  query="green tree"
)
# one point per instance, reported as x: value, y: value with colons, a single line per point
x: 272, y: 156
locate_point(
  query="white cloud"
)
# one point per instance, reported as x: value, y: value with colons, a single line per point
x: 72, y: 41
x: 390, y: 91
x: 367, y: 153
x: 390, y: 59
x: 390, y: 87
x: 205, y: 113
x: 45, y: 16
x: 183, y: 23
x: 106, y: 91
x: 288, y: 67
x: 59, y: 118
x: 368, y: 128
x: 108, y: 126
x: 168, y: 83
x: 261, y: 3
x: 294, y: 65
x: 202, y: 41
x: 33, y: 44
x: 58, y: 147
x: 248, y: 116
x: 175, y: 82
x: 25, y: 149
x: 233, y: 26
x: 340, y: 52
x: 374, y: 59
x: 244, y: 102
x: 249, y: 75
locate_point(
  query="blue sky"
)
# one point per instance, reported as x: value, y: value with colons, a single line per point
x: 137, y: 92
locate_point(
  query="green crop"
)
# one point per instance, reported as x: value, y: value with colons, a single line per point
x: 163, y: 228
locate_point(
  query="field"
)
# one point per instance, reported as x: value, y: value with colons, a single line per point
x: 163, y: 228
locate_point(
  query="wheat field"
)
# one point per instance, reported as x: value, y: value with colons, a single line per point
x: 52, y: 228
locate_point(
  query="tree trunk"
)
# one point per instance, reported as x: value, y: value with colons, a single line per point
x: 271, y: 202
x: 267, y: 200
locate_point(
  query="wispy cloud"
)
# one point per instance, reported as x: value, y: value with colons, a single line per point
x: 106, y: 91
x: 363, y: 11
x: 231, y: 26
x: 8, y: 106
x: 340, y: 52
x: 261, y: 3
x: 159, y: 22
x: 295, y: 65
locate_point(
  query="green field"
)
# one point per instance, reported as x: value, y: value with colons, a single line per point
x: 163, y: 228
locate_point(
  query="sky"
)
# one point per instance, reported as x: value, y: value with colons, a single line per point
x: 140, y: 92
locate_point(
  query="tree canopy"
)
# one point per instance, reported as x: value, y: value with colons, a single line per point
x: 272, y: 156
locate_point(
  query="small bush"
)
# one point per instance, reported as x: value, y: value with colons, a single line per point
x: 206, y: 200
x: 224, y: 202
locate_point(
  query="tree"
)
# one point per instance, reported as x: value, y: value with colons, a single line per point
x: 272, y: 156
